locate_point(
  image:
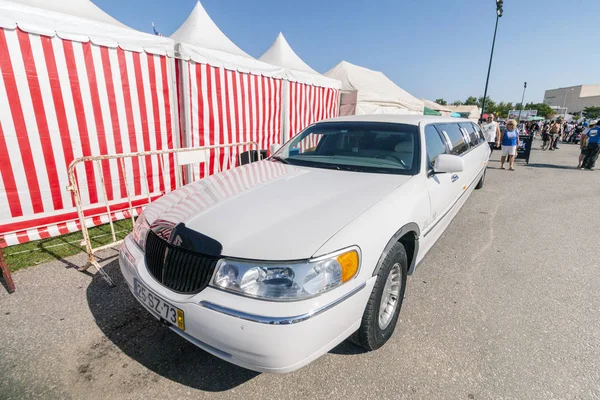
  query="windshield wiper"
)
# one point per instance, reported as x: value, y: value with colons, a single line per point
x: 281, y: 160
x: 329, y: 166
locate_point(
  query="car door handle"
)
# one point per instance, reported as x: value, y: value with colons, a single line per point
x: 454, y: 178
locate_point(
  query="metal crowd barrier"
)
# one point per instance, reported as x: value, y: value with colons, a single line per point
x: 185, y: 158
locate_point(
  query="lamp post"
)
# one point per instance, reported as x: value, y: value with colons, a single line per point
x: 522, y: 100
x: 499, y: 12
x: 564, y: 107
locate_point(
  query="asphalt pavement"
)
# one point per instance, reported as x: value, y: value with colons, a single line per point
x: 505, y: 306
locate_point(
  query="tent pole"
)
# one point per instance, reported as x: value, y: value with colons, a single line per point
x: 5, y: 271
x: 284, y: 124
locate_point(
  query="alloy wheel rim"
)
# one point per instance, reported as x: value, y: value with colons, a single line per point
x: 390, y: 297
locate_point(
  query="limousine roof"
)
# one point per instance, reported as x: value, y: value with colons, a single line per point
x: 398, y: 119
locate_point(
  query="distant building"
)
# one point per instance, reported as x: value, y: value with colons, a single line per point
x: 471, y: 112
x: 573, y: 99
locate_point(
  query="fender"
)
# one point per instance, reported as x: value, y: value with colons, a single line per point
x: 410, y: 227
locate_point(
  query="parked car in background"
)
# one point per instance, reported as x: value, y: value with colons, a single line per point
x: 272, y: 264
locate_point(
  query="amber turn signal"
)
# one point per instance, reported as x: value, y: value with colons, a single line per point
x: 349, y: 263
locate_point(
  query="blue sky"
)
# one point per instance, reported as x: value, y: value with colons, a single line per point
x: 435, y: 48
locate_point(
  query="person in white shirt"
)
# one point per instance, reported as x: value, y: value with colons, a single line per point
x: 491, y: 131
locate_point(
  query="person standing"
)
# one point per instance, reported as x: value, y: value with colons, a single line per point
x: 510, y: 141
x: 583, y: 147
x: 555, y: 131
x: 592, y: 138
x: 568, y: 128
x: 491, y: 131
x: 576, y: 134
x: 546, y: 139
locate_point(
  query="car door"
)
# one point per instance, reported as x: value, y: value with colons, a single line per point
x: 475, y: 157
x: 459, y: 145
x: 441, y: 187
x: 483, y: 150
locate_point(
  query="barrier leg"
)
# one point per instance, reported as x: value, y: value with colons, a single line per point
x: 92, y: 262
x: 6, y: 273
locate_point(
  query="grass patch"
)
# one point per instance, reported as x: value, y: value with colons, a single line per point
x: 41, y: 251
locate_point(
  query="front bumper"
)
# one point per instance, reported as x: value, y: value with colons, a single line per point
x: 264, y: 336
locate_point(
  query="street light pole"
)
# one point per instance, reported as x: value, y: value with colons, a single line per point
x: 522, y: 100
x: 499, y: 11
x: 564, y: 107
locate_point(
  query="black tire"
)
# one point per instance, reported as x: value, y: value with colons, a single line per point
x: 481, y: 181
x: 370, y: 335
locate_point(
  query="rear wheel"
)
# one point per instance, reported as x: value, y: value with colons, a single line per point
x: 381, y: 314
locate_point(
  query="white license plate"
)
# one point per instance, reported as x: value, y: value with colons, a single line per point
x: 158, y: 306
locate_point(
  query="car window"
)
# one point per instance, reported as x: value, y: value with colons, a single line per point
x: 470, y: 130
x: 467, y: 137
x: 456, y: 137
x: 479, y: 132
x: 434, y: 144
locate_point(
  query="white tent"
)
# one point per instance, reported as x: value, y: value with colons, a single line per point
x: 84, y: 23
x: 201, y: 40
x: 296, y: 70
x: 75, y: 82
x: 79, y: 8
x: 308, y: 96
x: 365, y: 91
x: 227, y: 96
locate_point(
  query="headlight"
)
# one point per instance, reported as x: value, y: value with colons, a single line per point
x: 286, y: 281
x: 140, y: 231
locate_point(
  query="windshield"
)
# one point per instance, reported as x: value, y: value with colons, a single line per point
x: 355, y: 146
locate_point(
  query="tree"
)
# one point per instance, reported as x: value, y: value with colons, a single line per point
x: 544, y: 110
x: 490, y: 105
x: 501, y: 110
x: 441, y: 102
x: 457, y: 103
x: 591, y: 112
x: 472, y: 101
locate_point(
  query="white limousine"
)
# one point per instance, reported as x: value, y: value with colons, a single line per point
x: 272, y: 264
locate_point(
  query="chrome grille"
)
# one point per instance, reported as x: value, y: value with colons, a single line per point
x: 179, y: 269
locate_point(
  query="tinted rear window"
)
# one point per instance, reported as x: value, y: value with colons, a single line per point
x: 456, y: 137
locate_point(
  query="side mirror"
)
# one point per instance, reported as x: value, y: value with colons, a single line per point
x: 446, y: 163
x: 274, y: 148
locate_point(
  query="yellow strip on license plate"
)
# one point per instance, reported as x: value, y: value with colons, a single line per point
x: 159, y: 307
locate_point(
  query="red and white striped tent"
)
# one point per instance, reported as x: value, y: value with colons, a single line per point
x: 75, y: 82
x: 227, y: 96
x: 308, y: 96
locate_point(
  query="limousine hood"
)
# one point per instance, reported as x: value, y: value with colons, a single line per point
x: 272, y: 211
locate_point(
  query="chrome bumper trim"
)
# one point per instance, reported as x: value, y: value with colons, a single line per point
x: 280, y: 320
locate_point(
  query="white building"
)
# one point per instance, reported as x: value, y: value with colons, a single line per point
x: 573, y: 98
x: 471, y: 112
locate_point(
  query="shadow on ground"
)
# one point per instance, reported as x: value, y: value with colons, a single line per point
x: 143, y: 338
x: 347, y: 348
x: 550, y: 166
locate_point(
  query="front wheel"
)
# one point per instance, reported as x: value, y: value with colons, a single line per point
x: 381, y: 314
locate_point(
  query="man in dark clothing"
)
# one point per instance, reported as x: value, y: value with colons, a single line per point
x: 592, y: 146
x: 578, y: 131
